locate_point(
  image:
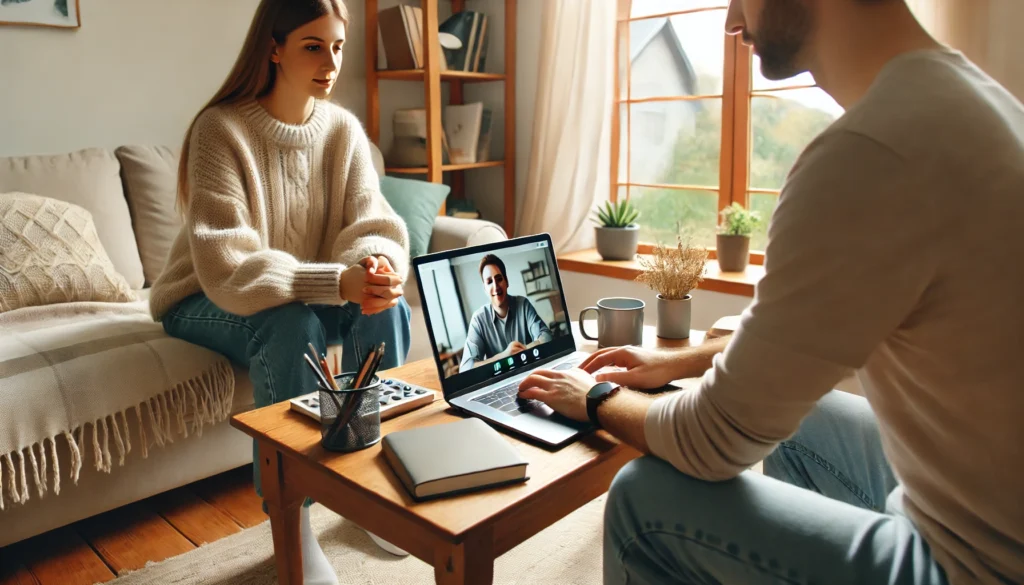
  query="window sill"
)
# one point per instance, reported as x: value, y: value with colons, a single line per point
x: 731, y: 283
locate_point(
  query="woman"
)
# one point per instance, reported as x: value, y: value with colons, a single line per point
x: 287, y: 239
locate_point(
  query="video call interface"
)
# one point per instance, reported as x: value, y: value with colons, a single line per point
x: 494, y: 312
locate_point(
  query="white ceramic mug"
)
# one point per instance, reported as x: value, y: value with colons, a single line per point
x: 620, y: 321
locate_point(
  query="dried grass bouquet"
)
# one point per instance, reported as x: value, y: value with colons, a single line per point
x: 674, y: 272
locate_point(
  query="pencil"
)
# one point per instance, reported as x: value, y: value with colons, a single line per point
x: 327, y: 372
x: 376, y: 363
x: 317, y: 371
x: 367, y: 361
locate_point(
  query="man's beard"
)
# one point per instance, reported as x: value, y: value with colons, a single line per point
x: 781, y: 36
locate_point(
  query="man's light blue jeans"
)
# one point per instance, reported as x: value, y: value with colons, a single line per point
x: 271, y: 343
x: 827, y: 513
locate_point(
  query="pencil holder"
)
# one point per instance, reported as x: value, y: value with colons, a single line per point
x: 350, y: 417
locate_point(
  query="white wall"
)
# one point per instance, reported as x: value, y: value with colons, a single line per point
x: 135, y: 72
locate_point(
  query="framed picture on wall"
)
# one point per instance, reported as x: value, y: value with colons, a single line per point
x: 55, y: 13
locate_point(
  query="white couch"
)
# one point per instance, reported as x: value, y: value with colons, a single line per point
x: 130, y: 193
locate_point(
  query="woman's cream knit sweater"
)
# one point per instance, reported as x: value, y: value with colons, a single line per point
x: 277, y: 211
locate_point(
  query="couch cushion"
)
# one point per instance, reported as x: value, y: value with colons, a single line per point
x: 417, y: 203
x: 150, y: 175
x: 50, y: 253
x: 90, y: 179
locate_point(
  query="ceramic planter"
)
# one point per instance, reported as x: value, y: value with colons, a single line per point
x: 674, y: 318
x: 618, y: 243
x: 733, y: 253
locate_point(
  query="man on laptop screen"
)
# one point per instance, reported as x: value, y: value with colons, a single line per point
x: 484, y: 307
x: 505, y: 326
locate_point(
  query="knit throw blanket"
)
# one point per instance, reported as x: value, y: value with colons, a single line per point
x: 75, y: 372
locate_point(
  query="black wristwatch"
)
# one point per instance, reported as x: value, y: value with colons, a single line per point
x: 598, y: 394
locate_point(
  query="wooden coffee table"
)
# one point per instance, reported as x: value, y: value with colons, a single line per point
x: 461, y: 535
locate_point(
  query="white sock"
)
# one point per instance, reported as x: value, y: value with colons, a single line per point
x: 387, y: 546
x: 316, y: 569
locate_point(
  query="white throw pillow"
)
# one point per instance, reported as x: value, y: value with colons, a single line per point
x: 50, y: 253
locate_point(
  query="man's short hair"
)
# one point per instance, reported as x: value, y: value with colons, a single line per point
x: 492, y: 260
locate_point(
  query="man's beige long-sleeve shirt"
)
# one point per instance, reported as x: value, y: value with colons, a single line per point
x: 896, y: 250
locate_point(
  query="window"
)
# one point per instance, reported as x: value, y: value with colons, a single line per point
x: 697, y: 125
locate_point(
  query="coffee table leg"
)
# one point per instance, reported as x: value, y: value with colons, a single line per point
x: 471, y: 562
x: 283, y: 509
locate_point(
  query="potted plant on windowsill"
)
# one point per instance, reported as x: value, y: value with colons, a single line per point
x: 673, y: 273
x: 618, y: 235
x: 733, y: 241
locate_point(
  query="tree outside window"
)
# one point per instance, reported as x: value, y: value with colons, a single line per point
x: 724, y: 132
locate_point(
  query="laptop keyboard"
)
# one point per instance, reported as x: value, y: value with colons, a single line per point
x: 506, y: 400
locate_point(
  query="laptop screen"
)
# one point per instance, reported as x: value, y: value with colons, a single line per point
x: 494, y: 310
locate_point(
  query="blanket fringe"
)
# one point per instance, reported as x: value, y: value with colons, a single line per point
x: 8, y: 470
x: 23, y: 477
x: 56, y: 466
x: 207, y: 396
x: 40, y: 486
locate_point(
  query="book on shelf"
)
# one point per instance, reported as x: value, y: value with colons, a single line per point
x: 400, y: 29
x: 409, y: 142
x: 468, y: 129
x: 471, y: 28
x: 462, y: 208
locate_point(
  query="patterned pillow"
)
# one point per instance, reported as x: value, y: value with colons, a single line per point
x: 50, y: 253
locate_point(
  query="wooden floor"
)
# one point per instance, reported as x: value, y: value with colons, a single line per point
x: 96, y: 549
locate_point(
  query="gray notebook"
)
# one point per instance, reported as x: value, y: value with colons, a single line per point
x: 452, y: 457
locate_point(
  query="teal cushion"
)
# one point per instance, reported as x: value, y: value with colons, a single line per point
x: 418, y: 203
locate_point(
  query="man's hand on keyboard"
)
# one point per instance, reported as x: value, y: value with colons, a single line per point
x: 565, y: 391
x: 635, y: 367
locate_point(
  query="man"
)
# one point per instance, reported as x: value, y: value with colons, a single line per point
x: 895, y: 251
x: 506, y: 326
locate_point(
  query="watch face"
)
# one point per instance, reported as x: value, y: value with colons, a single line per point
x: 601, y: 389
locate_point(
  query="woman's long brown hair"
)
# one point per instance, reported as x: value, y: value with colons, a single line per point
x: 253, y: 74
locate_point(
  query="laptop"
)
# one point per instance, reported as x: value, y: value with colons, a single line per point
x: 494, y: 314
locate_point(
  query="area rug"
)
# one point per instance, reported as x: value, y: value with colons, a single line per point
x: 567, y: 552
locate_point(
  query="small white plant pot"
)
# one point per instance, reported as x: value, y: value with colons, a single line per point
x: 674, y: 317
x: 618, y: 243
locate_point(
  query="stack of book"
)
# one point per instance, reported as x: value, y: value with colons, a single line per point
x: 401, y: 37
x: 471, y: 29
x: 465, y: 139
x: 462, y: 208
x: 409, y: 145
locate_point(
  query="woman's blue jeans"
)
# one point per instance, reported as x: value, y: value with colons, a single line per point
x: 271, y: 343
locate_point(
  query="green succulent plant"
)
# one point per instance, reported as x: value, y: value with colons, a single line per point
x: 617, y: 214
x: 738, y: 221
